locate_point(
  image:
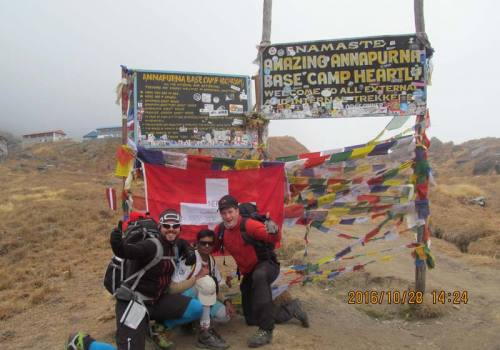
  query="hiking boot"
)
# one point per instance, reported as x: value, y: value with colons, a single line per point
x: 217, y: 335
x: 260, y: 338
x: 208, y: 340
x: 78, y: 341
x: 295, y: 309
x: 189, y: 328
x: 160, y: 336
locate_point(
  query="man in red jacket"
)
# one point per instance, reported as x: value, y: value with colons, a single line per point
x: 251, y: 245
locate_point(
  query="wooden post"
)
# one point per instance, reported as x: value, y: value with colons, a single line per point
x: 258, y: 99
x: 264, y: 42
x: 125, y: 104
x: 418, y: 7
x: 266, y: 22
x: 421, y: 268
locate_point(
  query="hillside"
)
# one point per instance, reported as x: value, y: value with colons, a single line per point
x: 464, y: 172
x: 284, y: 146
x: 54, y: 226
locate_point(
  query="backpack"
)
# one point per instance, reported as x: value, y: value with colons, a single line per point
x: 263, y: 250
x: 126, y: 272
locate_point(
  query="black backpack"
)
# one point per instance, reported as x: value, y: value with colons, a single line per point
x: 126, y: 272
x: 263, y: 250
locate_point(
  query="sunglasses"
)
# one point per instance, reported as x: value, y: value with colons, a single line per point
x: 171, y: 226
x: 205, y: 243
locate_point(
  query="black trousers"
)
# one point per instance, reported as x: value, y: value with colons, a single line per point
x: 169, y: 306
x: 256, y: 297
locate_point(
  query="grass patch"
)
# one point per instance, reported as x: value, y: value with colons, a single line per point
x: 461, y: 191
x: 46, y: 195
x: 424, y: 311
x: 464, y: 235
x: 6, y: 207
x: 290, y: 248
x: 408, y: 312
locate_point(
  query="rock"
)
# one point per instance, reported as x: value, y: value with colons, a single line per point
x: 486, y: 166
x: 481, y: 201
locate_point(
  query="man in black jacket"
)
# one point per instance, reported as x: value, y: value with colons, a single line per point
x: 154, y: 283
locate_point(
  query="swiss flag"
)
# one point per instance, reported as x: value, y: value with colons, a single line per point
x: 195, y: 193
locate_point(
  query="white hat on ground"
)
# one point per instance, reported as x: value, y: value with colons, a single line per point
x: 207, y: 291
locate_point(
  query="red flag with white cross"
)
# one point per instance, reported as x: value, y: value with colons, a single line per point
x: 195, y: 193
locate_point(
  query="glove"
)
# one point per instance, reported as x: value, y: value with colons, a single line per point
x: 189, y: 254
x: 186, y: 252
x: 116, y: 233
x: 271, y: 227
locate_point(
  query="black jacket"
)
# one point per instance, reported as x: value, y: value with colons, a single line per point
x: 157, y: 279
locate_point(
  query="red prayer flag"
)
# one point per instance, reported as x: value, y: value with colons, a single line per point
x: 371, y: 234
x: 124, y: 154
x: 111, y: 198
x: 312, y: 162
x: 422, y: 190
x: 370, y: 198
x: 139, y: 203
x: 310, y: 155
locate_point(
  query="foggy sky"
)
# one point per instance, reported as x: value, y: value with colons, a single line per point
x: 60, y: 60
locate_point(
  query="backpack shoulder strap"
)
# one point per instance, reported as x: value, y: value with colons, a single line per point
x: 220, y: 238
x: 220, y: 231
x: 176, y: 254
x: 211, y: 265
x: 156, y: 259
x: 246, y: 237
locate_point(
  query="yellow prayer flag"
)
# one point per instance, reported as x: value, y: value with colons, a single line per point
x: 393, y: 182
x: 338, y: 211
x: 326, y: 199
x: 420, y: 252
x: 363, y: 168
x: 406, y: 165
x: 325, y: 260
x: 361, y: 152
x: 331, y: 221
x: 242, y: 164
x: 298, y: 180
x: 413, y: 179
x: 122, y: 170
x: 335, y: 187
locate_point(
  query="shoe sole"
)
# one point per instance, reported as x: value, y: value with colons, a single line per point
x: 259, y: 345
x: 204, y: 346
x: 158, y: 347
x: 303, y: 319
